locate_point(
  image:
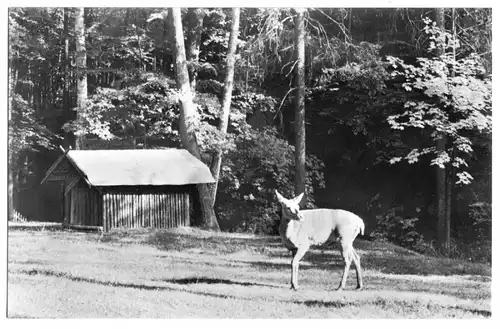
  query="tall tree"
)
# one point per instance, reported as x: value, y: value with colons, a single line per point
x: 443, y: 228
x: 194, y: 18
x: 66, y: 74
x: 226, y: 96
x: 188, y: 120
x: 81, y: 67
x: 12, y: 83
x: 300, y: 128
x: 10, y: 178
x: 450, y: 171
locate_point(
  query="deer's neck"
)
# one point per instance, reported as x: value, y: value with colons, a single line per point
x: 290, y: 232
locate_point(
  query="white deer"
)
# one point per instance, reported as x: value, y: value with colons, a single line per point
x: 301, y: 229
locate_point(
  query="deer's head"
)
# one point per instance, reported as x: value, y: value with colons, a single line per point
x: 290, y: 208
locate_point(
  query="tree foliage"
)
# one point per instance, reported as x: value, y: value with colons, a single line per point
x: 148, y: 109
x: 457, y: 101
x: 26, y: 133
x: 261, y: 163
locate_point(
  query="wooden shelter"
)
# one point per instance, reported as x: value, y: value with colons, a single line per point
x: 128, y: 188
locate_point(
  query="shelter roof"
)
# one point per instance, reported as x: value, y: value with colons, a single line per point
x: 139, y: 167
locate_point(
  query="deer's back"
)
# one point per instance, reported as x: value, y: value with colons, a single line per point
x: 321, y: 223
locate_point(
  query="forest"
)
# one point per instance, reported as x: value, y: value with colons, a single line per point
x: 383, y: 112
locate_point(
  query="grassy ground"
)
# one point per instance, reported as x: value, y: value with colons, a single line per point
x: 191, y: 273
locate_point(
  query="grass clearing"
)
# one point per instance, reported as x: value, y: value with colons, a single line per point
x: 187, y: 272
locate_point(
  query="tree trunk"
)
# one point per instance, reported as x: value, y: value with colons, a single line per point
x: 300, y: 128
x: 451, y: 170
x: 81, y: 68
x: 68, y: 137
x: 226, y: 96
x: 443, y: 226
x: 195, y: 18
x: 10, y: 205
x: 441, y: 194
x: 449, y: 194
x: 10, y: 177
x: 187, y: 120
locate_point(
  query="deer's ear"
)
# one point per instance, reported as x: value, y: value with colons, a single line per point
x: 280, y: 197
x: 298, y: 198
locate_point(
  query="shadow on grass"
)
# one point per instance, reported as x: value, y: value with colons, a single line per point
x: 308, y: 303
x: 89, y: 280
x: 26, y: 262
x: 483, y: 313
x: 184, y: 281
x: 206, y: 280
x: 326, y: 304
x: 127, y: 285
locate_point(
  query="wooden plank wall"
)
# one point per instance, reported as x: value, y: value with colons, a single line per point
x: 85, y: 207
x: 153, y: 207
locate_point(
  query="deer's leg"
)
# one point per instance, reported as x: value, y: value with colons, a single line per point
x: 357, y: 263
x: 297, y: 256
x: 347, y: 255
x: 294, y: 252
